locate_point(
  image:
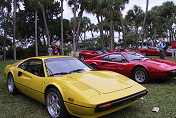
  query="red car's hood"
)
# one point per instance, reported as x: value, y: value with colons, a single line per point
x: 161, y: 63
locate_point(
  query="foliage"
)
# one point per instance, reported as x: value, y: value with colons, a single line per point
x: 23, y: 53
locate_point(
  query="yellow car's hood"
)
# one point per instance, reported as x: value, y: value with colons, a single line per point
x: 102, y: 81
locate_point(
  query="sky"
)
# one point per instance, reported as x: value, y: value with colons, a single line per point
x: 142, y: 3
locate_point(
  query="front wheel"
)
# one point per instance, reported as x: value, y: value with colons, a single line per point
x: 140, y: 75
x: 94, y: 67
x: 55, y: 104
x: 11, y: 85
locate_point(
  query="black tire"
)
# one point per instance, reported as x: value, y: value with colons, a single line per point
x: 55, y: 104
x: 82, y: 58
x: 144, y: 53
x: 94, y: 67
x: 140, y: 75
x: 11, y: 84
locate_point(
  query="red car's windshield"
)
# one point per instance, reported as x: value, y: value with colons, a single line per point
x: 133, y: 56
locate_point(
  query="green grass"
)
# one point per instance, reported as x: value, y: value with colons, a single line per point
x: 161, y: 94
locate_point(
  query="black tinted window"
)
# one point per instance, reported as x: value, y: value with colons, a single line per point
x: 36, y: 67
x: 24, y: 65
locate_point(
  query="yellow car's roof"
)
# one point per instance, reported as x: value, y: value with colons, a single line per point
x: 47, y: 57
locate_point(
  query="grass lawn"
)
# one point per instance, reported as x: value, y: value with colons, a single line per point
x: 161, y: 94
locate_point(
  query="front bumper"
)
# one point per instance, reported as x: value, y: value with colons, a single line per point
x: 171, y: 73
x: 118, y: 104
x: 122, y: 101
x: 84, y: 112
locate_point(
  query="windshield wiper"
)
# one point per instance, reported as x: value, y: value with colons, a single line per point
x: 77, y: 70
x: 61, y: 73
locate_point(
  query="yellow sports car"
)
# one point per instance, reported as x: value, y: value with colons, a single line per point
x: 68, y: 86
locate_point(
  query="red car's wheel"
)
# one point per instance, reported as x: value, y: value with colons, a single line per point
x: 93, y: 66
x: 140, y: 75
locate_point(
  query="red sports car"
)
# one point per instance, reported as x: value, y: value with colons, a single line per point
x: 152, y: 50
x: 134, y: 65
x: 122, y: 50
x: 125, y: 50
x: 87, y: 54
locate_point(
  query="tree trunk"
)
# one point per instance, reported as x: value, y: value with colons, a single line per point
x: 62, y: 39
x: 4, y: 45
x: 102, y: 37
x: 14, y: 31
x: 46, y: 26
x: 113, y: 36
x: 111, y: 47
x: 123, y: 29
x: 79, y: 24
x: 155, y: 34
x: 137, y: 39
x: 145, y: 17
x: 92, y: 34
x: 84, y: 36
x: 74, y: 29
x: 36, y: 46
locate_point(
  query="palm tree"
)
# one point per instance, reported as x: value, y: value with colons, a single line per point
x: 135, y: 17
x: 83, y: 6
x: 34, y: 4
x: 14, y: 29
x: 86, y: 22
x: 167, y: 11
x: 62, y: 39
x: 74, y: 29
x: 146, y: 12
x: 36, y: 12
x: 96, y: 7
x: 43, y: 3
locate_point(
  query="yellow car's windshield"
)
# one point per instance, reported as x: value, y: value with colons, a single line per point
x: 62, y: 66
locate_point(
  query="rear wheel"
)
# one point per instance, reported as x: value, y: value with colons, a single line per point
x: 140, y: 75
x: 55, y: 104
x: 11, y: 85
x: 82, y: 57
x: 93, y: 66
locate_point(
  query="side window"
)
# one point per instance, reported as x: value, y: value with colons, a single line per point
x: 117, y: 58
x: 105, y: 58
x: 94, y: 52
x: 36, y: 67
x: 24, y: 65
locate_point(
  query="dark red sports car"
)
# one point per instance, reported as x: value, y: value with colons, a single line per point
x: 87, y: 54
x: 134, y: 65
x: 122, y: 50
x: 152, y: 50
x: 125, y: 50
